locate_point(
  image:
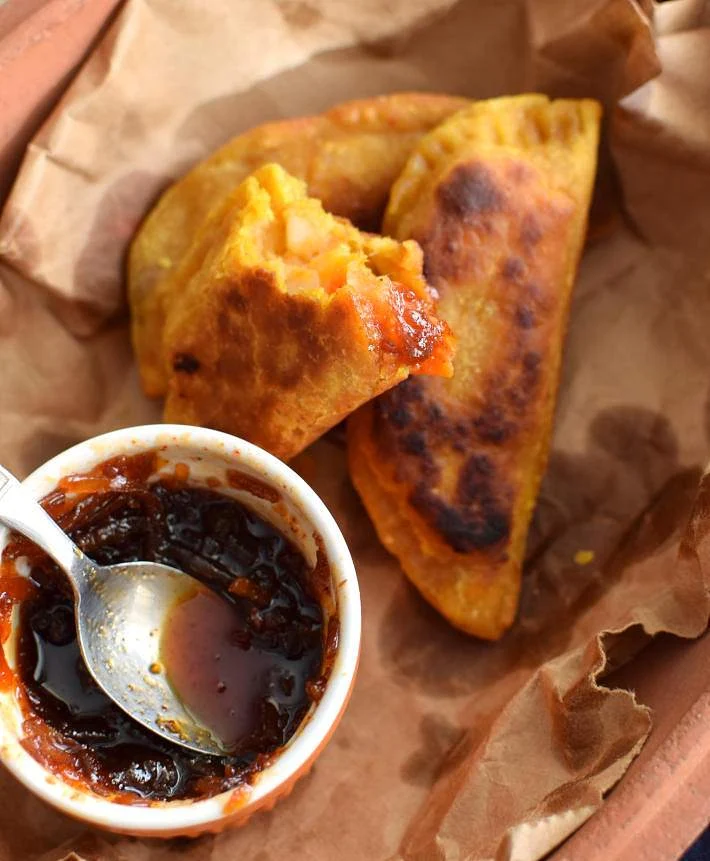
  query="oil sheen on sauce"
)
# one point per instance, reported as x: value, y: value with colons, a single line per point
x: 248, y: 656
x: 203, y: 655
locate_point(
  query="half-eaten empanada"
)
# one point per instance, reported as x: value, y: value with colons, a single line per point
x: 283, y: 319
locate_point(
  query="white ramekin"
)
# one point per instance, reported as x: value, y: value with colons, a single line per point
x: 302, y: 516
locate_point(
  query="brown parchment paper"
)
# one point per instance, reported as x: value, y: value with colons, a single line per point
x: 451, y: 748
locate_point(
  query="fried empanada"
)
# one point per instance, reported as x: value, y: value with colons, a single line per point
x: 449, y: 470
x: 286, y: 318
x: 349, y: 158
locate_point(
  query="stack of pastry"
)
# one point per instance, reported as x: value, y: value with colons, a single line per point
x: 260, y: 307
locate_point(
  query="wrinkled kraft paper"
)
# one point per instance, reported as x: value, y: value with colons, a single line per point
x: 451, y: 748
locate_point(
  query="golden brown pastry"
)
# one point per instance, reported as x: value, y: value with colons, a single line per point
x: 283, y: 319
x: 449, y: 470
x: 349, y: 157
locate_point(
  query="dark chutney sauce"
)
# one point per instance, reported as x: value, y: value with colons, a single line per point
x: 267, y: 636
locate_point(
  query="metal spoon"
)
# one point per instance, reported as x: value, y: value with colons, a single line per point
x: 120, y: 613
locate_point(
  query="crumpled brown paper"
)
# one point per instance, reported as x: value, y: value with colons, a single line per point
x: 451, y: 748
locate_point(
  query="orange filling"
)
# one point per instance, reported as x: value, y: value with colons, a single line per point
x: 317, y: 253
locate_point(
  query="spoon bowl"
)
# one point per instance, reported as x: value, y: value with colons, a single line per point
x: 120, y: 621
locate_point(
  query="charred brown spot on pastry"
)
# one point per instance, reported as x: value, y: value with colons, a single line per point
x: 414, y: 431
x: 414, y: 443
x: 492, y: 425
x: 479, y: 517
x: 407, y: 417
x: 186, y: 363
x: 508, y: 393
x: 530, y: 232
x: 235, y: 298
x: 531, y: 361
x: 522, y: 389
x: 525, y: 317
x: 397, y: 414
x: 395, y: 408
x: 408, y: 421
x: 236, y: 301
x: 301, y: 318
x: 468, y: 201
x: 536, y: 298
x: 403, y: 431
x: 470, y: 190
x: 478, y: 483
x: 513, y: 269
x: 447, y: 254
x: 435, y: 411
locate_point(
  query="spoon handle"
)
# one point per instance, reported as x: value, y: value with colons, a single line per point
x: 21, y: 512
